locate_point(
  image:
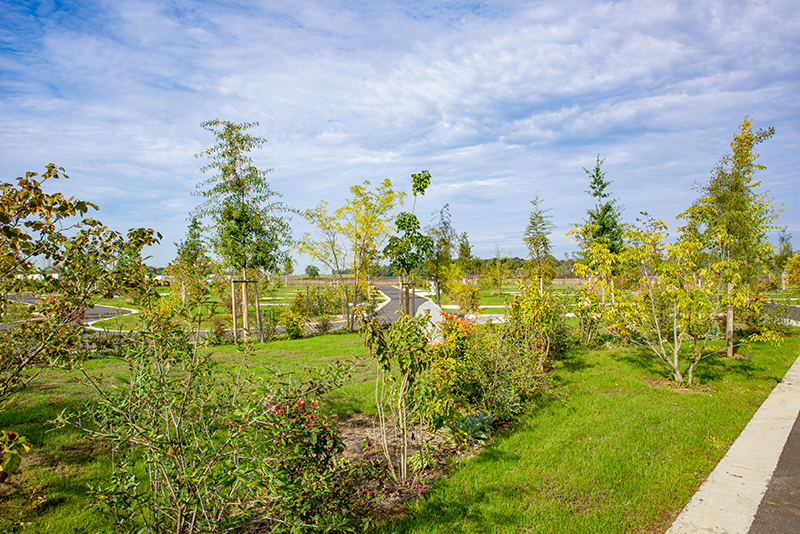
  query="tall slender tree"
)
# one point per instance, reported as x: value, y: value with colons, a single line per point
x: 733, y: 220
x: 437, y: 265
x: 605, y: 219
x: 537, y: 239
x: 250, y: 227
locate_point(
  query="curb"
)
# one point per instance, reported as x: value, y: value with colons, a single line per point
x: 728, y: 500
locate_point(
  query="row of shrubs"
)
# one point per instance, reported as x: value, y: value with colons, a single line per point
x: 195, y: 449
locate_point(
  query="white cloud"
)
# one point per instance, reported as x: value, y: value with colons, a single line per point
x: 498, y: 101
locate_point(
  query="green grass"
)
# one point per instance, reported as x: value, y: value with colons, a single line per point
x: 616, y: 451
x: 64, y: 461
x: 489, y: 297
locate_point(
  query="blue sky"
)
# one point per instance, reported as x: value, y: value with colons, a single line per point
x: 498, y: 100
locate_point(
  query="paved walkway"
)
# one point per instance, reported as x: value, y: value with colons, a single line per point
x: 755, y: 489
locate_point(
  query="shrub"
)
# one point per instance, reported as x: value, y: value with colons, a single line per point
x: 196, y: 451
x: 465, y: 296
x: 491, y: 369
x: 293, y: 324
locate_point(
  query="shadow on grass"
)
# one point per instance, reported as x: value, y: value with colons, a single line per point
x: 465, y: 512
x: 711, y: 369
x: 565, y: 369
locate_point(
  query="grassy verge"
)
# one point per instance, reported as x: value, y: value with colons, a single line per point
x: 619, y: 450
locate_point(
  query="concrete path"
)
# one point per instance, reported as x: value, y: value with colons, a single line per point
x: 764, y: 460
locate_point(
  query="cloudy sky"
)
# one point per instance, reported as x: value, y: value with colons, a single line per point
x: 499, y: 100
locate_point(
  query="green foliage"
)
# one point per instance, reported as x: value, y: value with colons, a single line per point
x: 90, y: 260
x: 293, y: 324
x: 537, y: 239
x: 589, y: 311
x: 407, y: 250
x: 465, y: 295
x: 218, y: 452
x: 494, y: 370
x: 188, y: 271
x: 249, y: 228
x: 11, y: 447
x: 784, y: 251
x: 438, y: 266
x: 604, y: 224
x: 673, y: 300
x: 403, y: 347
x: 541, y: 313
x: 470, y: 428
x: 351, y: 236
x: 495, y: 272
x: 793, y: 270
x: 312, y: 271
x: 732, y: 220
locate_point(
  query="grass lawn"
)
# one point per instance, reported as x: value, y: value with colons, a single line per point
x: 618, y: 450
x: 615, y: 448
x: 489, y: 297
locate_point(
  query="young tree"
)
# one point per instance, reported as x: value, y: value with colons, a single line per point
x: 793, y: 270
x: 496, y: 271
x: 437, y: 266
x: 671, y: 304
x: 366, y: 222
x: 464, y: 260
x: 408, y: 250
x: 349, y: 238
x: 733, y: 221
x: 537, y: 239
x: 605, y: 219
x: 329, y: 245
x: 784, y: 251
x: 188, y: 271
x: 249, y: 225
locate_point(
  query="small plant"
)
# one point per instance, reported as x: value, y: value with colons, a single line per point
x: 470, y: 428
x: 218, y: 331
x: 422, y: 459
x: 270, y: 317
x: 466, y: 296
x: 293, y: 324
x: 323, y: 324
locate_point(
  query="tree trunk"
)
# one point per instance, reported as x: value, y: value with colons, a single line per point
x: 245, y: 314
x: 347, y: 317
x: 729, y: 324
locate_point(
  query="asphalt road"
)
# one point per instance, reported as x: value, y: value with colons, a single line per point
x: 779, y: 511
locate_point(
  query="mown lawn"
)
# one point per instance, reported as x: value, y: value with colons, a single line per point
x: 616, y: 448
